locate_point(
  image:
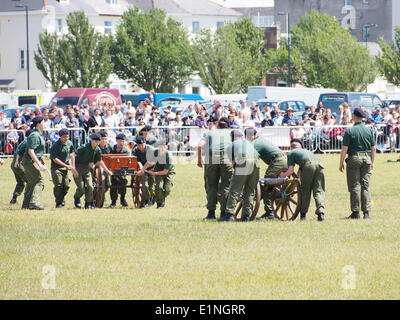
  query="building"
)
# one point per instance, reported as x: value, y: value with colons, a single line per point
x: 104, y: 15
x: 367, y: 20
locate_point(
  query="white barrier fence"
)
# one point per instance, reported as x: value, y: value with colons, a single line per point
x: 184, y: 140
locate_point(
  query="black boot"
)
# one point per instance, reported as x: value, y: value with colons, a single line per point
x: 88, y: 205
x: 244, y: 219
x: 267, y: 215
x: 34, y: 206
x: 160, y: 205
x: 123, y: 202
x: 59, y: 205
x: 366, y: 215
x: 354, y: 215
x: 13, y: 200
x: 226, y: 217
x: 321, y: 217
x: 63, y: 203
x: 113, y: 204
x: 302, y: 216
x: 77, y: 203
x: 210, y: 215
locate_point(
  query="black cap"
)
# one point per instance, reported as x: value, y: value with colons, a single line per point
x: 140, y: 140
x: 28, y: 132
x: 146, y: 128
x: 236, y: 134
x: 120, y: 136
x: 95, y: 136
x: 63, y: 132
x: 359, y: 113
x: 36, y: 120
x: 103, y: 134
x: 298, y: 141
x: 250, y: 132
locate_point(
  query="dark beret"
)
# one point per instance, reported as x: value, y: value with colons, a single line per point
x: 120, y: 136
x: 250, y: 132
x: 224, y: 119
x: 37, y: 120
x: 146, y: 128
x: 28, y: 132
x: 95, y: 136
x: 298, y: 141
x: 103, y: 134
x: 140, y: 140
x: 63, y: 132
x: 359, y: 113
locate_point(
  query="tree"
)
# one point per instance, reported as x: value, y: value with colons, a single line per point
x: 47, y: 60
x: 85, y: 53
x: 389, y: 60
x: 231, y: 59
x: 151, y: 51
x: 325, y: 54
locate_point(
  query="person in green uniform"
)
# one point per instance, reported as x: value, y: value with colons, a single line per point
x: 86, y: 157
x: 105, y: 148
x: 118, y: 183
x: 359, y: 145
x: 140, y: 151
x: 218, y: 170
x: 276, y: 160
x: 60, y: 155
x: 312, y: 178
x: 163, y: 171
x: 34, y: 166
x: 18, y: 169
x: 147, y: 133
x: 245, y: 176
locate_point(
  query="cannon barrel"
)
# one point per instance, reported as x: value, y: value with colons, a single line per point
x: 272, y: 181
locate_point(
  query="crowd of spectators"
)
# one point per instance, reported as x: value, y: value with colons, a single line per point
x: 312, y: 122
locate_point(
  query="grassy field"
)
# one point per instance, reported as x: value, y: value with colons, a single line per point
x: 173, y: 254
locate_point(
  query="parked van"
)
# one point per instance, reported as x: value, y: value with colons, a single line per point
x: 81, y: 96
x: 354, y: 100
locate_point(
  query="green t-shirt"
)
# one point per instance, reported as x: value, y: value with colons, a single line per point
x: 299, y: 156
x: 86, y: 154
x: 35, y: 141
x: 107, y: 149
x: 152, y: 141
x: 240, y: 150
x: 266, y: 150
x: 61, y: 152
x: 358, y: 138
x: 142, y: 156
x: 162, y: 161
x: 217, y: 140
x: 20, y: 150
x: 124, y: 150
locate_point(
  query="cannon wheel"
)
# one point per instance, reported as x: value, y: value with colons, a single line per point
x: 287, y: 207
x: 99, y: 187
x: 137, y: 190
x: 257, y: 200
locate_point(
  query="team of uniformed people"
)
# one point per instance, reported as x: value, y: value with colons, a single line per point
x: 231, y: 169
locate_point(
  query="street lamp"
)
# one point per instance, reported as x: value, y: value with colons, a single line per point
x: 366, y: 31
x: 288, y: 40
x: 27, y: 39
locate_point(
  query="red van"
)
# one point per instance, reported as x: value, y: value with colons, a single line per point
x: 81, y: 96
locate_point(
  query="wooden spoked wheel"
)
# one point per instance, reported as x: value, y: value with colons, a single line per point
x: 256, y: 204
x: 137, y: 190
x: 99, y: 187
x: 287, y: 198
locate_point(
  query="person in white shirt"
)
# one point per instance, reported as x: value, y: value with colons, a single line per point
x: 110, y: 120
x: 4, y: 123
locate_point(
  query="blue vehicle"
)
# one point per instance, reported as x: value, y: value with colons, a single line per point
x: 161, y: 99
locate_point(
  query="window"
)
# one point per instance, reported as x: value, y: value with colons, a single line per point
x: 263, y: 21
x: 348, y: 2
x: 107, y: 26
x: 195, y: 90
x: 195, y: 26
x: 112, y: 1
x: 365, y: 2
x: 59, y: 25
x: 22, y: 59
x: 220, y: 24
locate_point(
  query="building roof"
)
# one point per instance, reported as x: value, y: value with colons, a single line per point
x: 206, y: 7
x: 10, y: 5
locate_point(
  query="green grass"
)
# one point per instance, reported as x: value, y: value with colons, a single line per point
x: 173, y: 254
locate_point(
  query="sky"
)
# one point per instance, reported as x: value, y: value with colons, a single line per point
x: 245, y: 3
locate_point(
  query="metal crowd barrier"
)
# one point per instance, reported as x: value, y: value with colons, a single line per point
x: 184, y: 139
